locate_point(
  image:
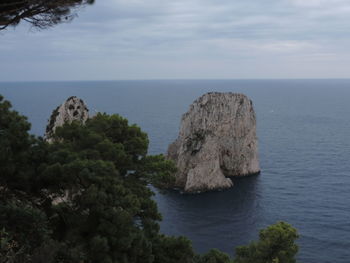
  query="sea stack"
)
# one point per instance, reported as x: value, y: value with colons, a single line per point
x: 217, y: 140
x: 73, y: 109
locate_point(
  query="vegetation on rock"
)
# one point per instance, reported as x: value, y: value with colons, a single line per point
x: 276, y: 245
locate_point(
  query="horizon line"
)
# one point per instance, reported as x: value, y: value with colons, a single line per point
x: 171, y: 79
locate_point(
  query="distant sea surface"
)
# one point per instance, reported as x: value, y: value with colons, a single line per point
x: 304, y: 143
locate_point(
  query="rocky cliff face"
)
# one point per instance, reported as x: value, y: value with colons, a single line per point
x: 73, y: 109
x: 217, y: 140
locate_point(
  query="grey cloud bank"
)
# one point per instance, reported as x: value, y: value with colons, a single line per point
x: 133, y: 39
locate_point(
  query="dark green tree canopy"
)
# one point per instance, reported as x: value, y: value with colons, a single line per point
x: 85, y: 194
x: 276, y: 245
x: 85, y: 198
x: 40, y: 13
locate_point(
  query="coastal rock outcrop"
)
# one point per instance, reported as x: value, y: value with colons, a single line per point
x: 73, y: 109
x: 217, y: 140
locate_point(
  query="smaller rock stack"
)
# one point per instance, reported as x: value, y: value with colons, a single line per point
x: 73, y: 109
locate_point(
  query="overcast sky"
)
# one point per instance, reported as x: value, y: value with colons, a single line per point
x: 185, y: 39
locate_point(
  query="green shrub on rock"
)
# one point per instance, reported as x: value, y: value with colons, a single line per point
x: 276, y: 245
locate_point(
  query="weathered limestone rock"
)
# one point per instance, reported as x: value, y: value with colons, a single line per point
x: 73, y: 109
x: 217, y: 140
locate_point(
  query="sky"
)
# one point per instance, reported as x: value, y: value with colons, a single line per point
x: 185, y: 39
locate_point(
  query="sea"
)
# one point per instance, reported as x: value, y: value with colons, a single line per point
x: 303, y: 129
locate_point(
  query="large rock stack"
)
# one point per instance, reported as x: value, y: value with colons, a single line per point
x: 217, y: 140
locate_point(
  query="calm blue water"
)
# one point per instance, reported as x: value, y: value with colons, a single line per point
x: 304, y: 139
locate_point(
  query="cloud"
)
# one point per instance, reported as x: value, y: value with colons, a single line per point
x: 319, y: 3
x: 162, y: 38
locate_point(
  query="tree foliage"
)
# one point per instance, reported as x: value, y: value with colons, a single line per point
x: 173, y: 250
x: 276, y: 245
x: 39, y: 13
x: 85, y: 198
x: 103, y: 205
x: 214, y: 256
x: 87, y: 190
